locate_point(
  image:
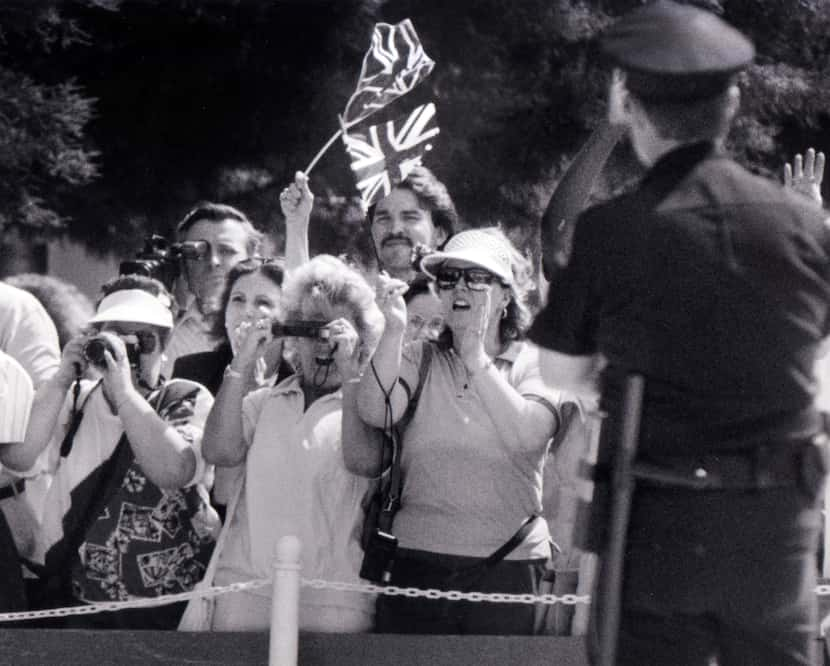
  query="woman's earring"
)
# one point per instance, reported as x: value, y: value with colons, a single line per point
x: 504, y: 313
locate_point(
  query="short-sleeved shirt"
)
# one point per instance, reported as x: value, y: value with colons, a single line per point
x: 465, y: 492
x: 296, y: 483
x: 192, y: 334
x: 712, y: 283
x: 139, y: 511
x: 16, y: 393
x: 27, y: 334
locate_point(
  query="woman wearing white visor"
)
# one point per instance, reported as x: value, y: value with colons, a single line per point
x: 126, y: 516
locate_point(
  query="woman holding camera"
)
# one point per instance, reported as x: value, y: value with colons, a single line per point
x: 253, y: 289
x: 473, y: 446
x: 288, y: 438
x: 126, y: 515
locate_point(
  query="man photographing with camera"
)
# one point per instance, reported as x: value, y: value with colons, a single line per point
x: 220, y: 237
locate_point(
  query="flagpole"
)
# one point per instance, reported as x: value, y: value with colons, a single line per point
x: 322, y: 151
x: 372, y: 240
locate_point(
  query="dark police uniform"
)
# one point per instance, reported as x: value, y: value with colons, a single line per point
x: 713, y: 284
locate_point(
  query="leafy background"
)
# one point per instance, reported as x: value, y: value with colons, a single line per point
x: 117, y: 116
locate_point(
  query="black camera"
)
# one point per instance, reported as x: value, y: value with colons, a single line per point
x: 299, y: 328
x: 378, y: 557
x: 96, y: 346
x: 161, y: 259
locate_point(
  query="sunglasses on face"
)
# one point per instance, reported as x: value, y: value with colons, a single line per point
x: 475, y: 278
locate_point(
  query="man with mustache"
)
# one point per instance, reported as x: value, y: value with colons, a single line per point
x: 418, y: 211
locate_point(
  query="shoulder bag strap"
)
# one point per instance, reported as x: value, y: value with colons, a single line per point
x: 392, y: 496
x: 511, y: 544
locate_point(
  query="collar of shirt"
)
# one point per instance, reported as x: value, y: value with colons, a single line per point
x: 292, y: 385
x: 672, y: 167
x: 192, y: 316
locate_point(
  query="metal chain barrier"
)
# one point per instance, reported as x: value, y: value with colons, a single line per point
x: 149, y: 602
x: 449, y: 595
x: 318, y: 584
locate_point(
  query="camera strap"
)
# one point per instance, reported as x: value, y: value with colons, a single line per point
x: 394, y: 438
x: 77, y: 417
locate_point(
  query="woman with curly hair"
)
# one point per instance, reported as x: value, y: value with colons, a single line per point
x: 288, y: 438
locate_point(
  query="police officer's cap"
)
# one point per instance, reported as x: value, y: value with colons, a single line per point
x: 674, y: 53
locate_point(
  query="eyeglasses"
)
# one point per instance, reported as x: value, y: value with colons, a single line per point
x: 476, y: 278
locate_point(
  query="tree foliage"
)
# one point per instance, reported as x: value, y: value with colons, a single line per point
x: 225, y: 100
x: 42, y: 123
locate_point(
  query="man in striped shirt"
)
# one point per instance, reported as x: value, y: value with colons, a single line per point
x: 231, y: 238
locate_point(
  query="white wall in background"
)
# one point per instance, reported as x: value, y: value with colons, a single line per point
x: 70, y: 261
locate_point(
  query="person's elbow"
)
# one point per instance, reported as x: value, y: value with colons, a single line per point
x: 177, y: 474
x: 17, y: 457
x: 358, y: 463
x: 222, y: 456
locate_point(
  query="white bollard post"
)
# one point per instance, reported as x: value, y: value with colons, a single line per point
x: 285, y: 604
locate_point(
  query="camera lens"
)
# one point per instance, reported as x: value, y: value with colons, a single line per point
x: 94, y: 350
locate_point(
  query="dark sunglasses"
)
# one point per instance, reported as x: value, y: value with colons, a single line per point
x: 475, y: 278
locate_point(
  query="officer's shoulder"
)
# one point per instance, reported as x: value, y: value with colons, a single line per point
x: 726, y: 174
x: 601, y: 214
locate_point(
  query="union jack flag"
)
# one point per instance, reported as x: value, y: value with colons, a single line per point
x: 385, y: 154
x: 394, y: 64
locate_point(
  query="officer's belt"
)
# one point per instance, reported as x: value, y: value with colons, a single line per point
x: 767, y: 466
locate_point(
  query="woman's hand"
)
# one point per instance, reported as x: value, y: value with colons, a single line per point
x: 470, y: 339
x: 116, y: 372
x: 389, y: 293
x: 346, y: 342
x: 251, y: 339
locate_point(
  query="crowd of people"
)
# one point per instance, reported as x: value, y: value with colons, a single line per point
x: 180, y: 430
x: 398, y: 420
